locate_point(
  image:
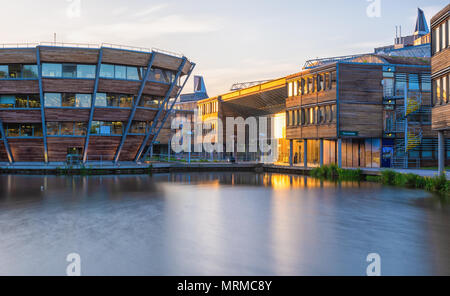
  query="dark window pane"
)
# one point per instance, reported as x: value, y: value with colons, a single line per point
x: 30, y: 71
x: 52, y: 128
x: 15, y: 71
x: 67, y: 128
x: 68, y: 100
x: 69, y: 70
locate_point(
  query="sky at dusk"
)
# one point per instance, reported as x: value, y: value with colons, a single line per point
x: 230, y: 41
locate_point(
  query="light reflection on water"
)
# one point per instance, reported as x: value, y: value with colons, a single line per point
x: 218, y: 224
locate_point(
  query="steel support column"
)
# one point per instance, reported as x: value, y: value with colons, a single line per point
x: 163, y: 108
x: 291, y: 151
x: 339, y: 152
x: 321, y: 153
x: 5, y: 143
x: 136, y: 103
x: 305, y: 153
x: 94, y: 96
x: 166, y: 115
x: 41, y: 95
x: 441, y: 152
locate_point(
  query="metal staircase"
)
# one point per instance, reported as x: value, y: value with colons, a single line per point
x: 408, y: 136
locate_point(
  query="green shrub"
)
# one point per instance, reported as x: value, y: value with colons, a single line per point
x: 388, y: 177
x: 376, y: 179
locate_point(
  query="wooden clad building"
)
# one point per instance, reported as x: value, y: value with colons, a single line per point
x: 62, y: 102
x: 440, y: 67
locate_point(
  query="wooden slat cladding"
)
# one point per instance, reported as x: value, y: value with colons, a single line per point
x: 441, y: 117
x: 20, y: 116
x: 111, y: 114
x: 365, y: 119
x: 57, y: 147
x: 167, y: 62
x: 69, y: 55
x: 19, y: 87
x: 3, y: 155
x: 24, y: 150
x: 124, y: 57
x: 440, y: 61
x: 68, y: 85
x: 130, y: 148
x: 360, y: 84
x: 18, y: 56
x: 440, y: 14
x: 156, y: 89
x: 144, y: 115
x: 103, y: 146
x: 118, y: 86
x: 186, y: 67
x: 63, y: 114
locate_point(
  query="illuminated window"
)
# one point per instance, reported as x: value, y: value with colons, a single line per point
x: 290, y: 89
x: 295, y: 88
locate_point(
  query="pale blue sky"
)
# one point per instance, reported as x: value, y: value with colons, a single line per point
x: 231, y: 41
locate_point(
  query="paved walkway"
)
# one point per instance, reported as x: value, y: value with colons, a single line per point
x: 204, y: 165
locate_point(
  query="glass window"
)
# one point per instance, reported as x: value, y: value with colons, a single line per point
x: 86, y: 71
x: 132, y: 73
x: 52, y: 128
x: 302, y: 86
x: 83, y: 100
x: 26, y: 130
x: 7, y: 101
x: 112, y: 100
x: 66, y: 128
x: 68, y: 100
x: 30, y: 71
x: 100, y: 100
x: 80, y: 128
x: 426, y: 82
x: 445, y: 89
x: 151, y: 102
x: 333, y: 113
x: 51, y: 70
x: 414, y: 82
x: 290, y: 89
x: 52, y: 99
x: 125, y: 101
x: 438, y: 91
x: 400, y: 84
x: 15, y: 71
x: 107, y: 71
x: 138, y: 127
x: 120, y: 72
x: 34, y: 101
x: 438, y: 39
x: 69, y: 71
x: 295, y: 88
x: 4, y: 71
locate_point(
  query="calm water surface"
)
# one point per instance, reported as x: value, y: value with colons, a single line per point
x: 218, y: 224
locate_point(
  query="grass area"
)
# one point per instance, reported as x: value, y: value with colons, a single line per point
x: 434, y: 168
x: 436, y: 184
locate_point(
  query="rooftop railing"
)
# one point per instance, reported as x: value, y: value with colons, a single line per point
x: 89, y: 45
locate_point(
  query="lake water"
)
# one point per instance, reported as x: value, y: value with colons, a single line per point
x: 218, y: 224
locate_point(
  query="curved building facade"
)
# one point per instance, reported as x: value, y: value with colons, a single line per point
x: 89, y: 103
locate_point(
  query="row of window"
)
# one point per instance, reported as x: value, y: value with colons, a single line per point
x: 56, y: 100
x: 75, y: 128
x: 16, y: 71
x: 308, y: 85
x: 313, y: 115
x: 106, y: 71
x: 441, y: 90
x: 395, y: 84
x: 208, y: 108
x: 23, y: 129
x: 67, y: 100
x: 66, y: 128
x: 20, y: 101
x: 441, y: 37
